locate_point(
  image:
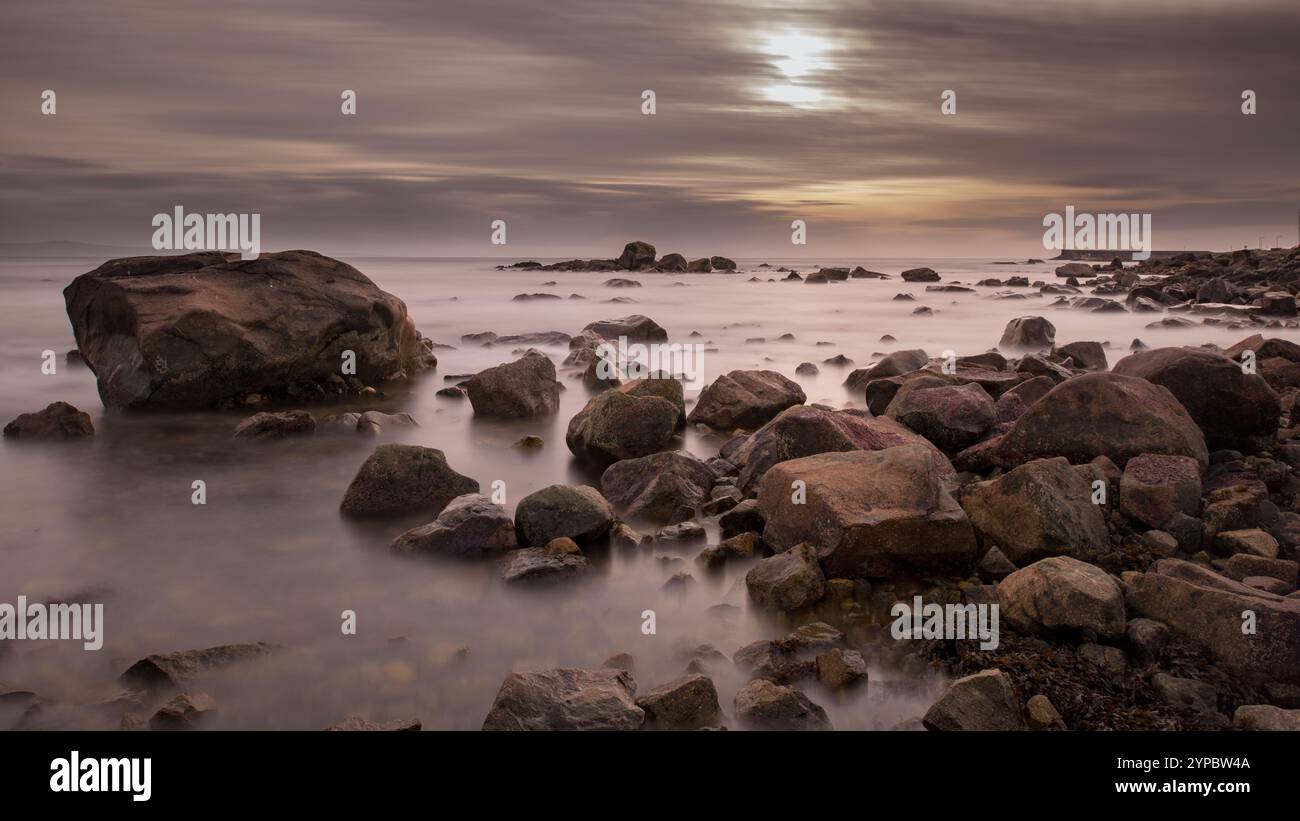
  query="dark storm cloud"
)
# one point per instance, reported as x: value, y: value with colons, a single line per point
x: 529, y: 112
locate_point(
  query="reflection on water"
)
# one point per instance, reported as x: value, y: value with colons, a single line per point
x: 269, y: 558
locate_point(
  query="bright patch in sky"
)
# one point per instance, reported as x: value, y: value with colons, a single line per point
x: 796, y: 55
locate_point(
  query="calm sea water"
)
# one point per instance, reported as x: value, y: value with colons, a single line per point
x: 269, y: 558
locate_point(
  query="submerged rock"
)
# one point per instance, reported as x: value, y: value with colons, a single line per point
x: 58, y: 420
x: 470, y: 525
x: 275, y: 425
x: 577, y: 512
x: 516, y: 390
x: 787, y: 581
x: 194, y: 330
x: 181, y: 668
x: 186, y: 711
x: 400, y: 478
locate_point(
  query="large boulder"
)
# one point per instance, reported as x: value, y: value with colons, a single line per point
x: 1062, y: 594
x: 623, y: 423
x: 920, y: 275
x: 983, y: 701
x: 403, y: 478
x: 1210, y: 611
x: 1090, y: 356
x: 566, y: 699
x: 664, y: 488
x: 516, y: 390
x: 1030, y: 333
x: 1042, y: 508
x: 197, y: 330
x: 1234, y: 410
x: 577, y: 512
x: 745, y: 399
x: 58, y: 420
x: 635, y: 254
x: 1075, y: 269
x: 952, y: 417
x: 806, y: 430
x: 634, y: 328
x: 469, y: 526
x: 869, y: 513
x: 1103, y: 414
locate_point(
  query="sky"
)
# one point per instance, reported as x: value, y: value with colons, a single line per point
x: 765, y: 112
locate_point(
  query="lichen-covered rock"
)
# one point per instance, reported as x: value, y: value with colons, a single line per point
x: 576, y: 511
x: 763, y: 705
x: 469, y: 526
x: 1063, y: 594
x: 686, y: 703
x: 58, y: 420
x: 664, y: 488
x: 787, y: 581
x: 516, y: 390
x: 983, y: 701
x: 745, y: 399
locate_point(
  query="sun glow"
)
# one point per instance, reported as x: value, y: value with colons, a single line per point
x: 798, y: 56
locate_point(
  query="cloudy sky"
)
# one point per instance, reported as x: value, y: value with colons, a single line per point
x: 530, y: 111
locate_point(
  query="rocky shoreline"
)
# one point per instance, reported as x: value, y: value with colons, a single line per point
x: 1135, y: 521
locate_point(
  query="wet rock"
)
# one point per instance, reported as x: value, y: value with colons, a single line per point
x: 664, y: 488
x: 469, y: 526
x: 787, y: 581
x: 1090, y: 356
x: 1265, y: 717
x: 624, y: 423
x: 375, y: 422
x: 807, y: 430
x: 682, y: 532
x: 838, y: 669
x: 553, y: 562
x: 1205, y: 609
x: 869, y: 513
x: 744, y: 517
x: 687, y: 703
x: 624, y: 536
x: 634, y: 328
x: 1103, y: 414
x: 745, y: 399
x: 1040, y: 509
x: 578, y: 512
x: 1233, y: 409
x: 762, y: 705
x: 807, y: 369
x: 186, y: 711
x: 359, y: 724
x: 983, y: 701
x: 275, y: 425
x: 516, y: 390
x: 1028, y: 333
x: 1154, y: 488
x: 635, y: 254
x: 1186, y: 693
x: 196, y: 330
x: 920, y: 275
x: 58, y: 420
x: 401, y: 478
x: 722, y: 263
x: 1074, y: 269
x: 740, y: 546
x: 1063, y: 594
x: 566, y: 699
x: 176, y: 670
x: 894, y: 364
x: 953, y: 417
x: 529, y: 443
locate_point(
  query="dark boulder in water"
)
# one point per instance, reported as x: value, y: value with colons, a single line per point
x: 197, y: 330
x: 58, y: 420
